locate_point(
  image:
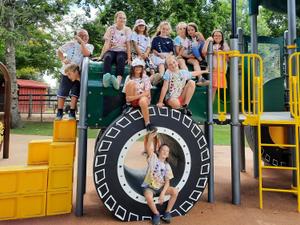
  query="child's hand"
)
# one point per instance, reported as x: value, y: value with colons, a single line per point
x: 160, y: 104
x: 210, y: 39
x: 161, y: 199
x: 129, y: 61
x: 77, y: 38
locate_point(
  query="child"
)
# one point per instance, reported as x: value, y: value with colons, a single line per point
x: 73, y: 75
x: 178, y: 88
x: 183, y: 47
x: 162, y: 46
x: 116, y: 50
x: 197, y: 40
x: 157, y: 180
x: 219, y: 44
x: 137, y: 91
x: 141, y: 44
x: 71, y: 52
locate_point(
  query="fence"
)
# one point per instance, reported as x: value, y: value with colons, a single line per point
x: 42, y: 104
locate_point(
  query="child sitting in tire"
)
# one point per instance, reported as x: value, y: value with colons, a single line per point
x: 178, y: 88
x: 157, y: 180
x: 137, y: 91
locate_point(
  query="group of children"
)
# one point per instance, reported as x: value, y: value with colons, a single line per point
x: 170, y: 59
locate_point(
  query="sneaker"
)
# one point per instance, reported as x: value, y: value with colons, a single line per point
x: 182, y: 110
x: 202, y: 82
x: 115, y: 82
x: 167, y: 217
x: 126, y: 109
x: 106, y: 80
x: 188, y: 111
x: 72, y: 116
x: 156, y: 219
x: 150, y: 128
x: 59, y: 116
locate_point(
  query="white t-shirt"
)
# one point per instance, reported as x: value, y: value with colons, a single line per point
x: 72, y: 52
x: 177, y: 82
x: 141, y: 40
x: 117, y: 38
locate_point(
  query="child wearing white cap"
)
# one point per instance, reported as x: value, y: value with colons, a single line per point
x: 141, y: 44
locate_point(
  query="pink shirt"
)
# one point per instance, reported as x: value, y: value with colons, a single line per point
x: 117, y: 38
x: 215, y: 62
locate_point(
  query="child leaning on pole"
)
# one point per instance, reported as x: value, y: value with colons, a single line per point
x: 178, y: 88
x: 157, y: 179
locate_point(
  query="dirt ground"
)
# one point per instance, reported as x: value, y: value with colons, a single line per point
x: 279, y: 209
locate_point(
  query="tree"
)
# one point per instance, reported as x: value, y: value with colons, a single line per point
x: 18, y: 18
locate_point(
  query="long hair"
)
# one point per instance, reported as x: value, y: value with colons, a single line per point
x: 162, y: 23
x: 222, y: 42
x: 132, y: 72
x: 145, y: 31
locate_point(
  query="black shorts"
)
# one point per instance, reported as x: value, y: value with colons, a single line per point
x: 68, y: 88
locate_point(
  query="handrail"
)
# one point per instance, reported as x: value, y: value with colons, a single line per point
x: 254, y: 88
x: 294, y: 74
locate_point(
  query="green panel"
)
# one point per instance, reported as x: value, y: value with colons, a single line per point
x: 274, y: 95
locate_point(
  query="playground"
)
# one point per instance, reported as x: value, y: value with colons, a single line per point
x: 279, y: 209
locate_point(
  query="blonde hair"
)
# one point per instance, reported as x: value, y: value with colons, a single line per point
x: 162, y: 23
x: 180, y: 24
x: 72, y: 68
x: 117, y: 14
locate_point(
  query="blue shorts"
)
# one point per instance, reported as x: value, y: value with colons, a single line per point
x: 68, y: 88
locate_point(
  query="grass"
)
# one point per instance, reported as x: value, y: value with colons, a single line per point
x: 221, y: 133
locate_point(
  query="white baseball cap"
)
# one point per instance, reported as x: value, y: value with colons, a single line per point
x: 138, y: 62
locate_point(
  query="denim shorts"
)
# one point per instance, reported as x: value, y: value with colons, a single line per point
x: 68, y: 88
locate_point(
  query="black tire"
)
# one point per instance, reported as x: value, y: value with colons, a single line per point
x: 119, y: 187
x: 270, y: 155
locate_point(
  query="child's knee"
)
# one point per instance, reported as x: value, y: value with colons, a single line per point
x: 191, y: 83
x: 174, y: 192
x: 143, y: 101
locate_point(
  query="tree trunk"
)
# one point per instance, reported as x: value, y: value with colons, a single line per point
x: 10, y: 58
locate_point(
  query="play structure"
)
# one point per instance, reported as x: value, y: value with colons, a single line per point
x: 261, y: 103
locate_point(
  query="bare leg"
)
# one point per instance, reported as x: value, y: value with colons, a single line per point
x: 173, y: 192
x: 188, y: 92
x: 214, y: 93
x: 60, y: 103
x: 73, y: 102
x: 144, y: 103
x: 161, y: 69
x: 149, y: 198
x: 130, y: 89
x: 182, y: 64
x: 174, y: 103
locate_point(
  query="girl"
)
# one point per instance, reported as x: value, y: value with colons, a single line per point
x: 137, y: 91
x: 197, y: 40
x: 217, y: 38
x: 183, y: 47
x: 178, y: 88
x: 141, y: 44
x: 117, y: 50
x: 157, y: 180
x: 162, y: 46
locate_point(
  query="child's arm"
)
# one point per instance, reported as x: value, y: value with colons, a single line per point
x: 205, y: 47
x: 163, y: 192
x: 149, y: 143
x: 83, y: 47
x: 128, y: 52
x: 198, y: 73
x: 105, y: 48
x: 146, y: 54
x: 163, y: 93
x: 137, y: 49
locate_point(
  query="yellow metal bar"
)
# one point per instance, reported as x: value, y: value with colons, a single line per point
x: 291, y: 46
x: 278, y: 145
x: 279, y: 190
x: 297, y: 164
x: 259, y: 167
x: 278, y: 122
x: 279, y: 167
x: 225, y: 84
x: 249, y: 84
